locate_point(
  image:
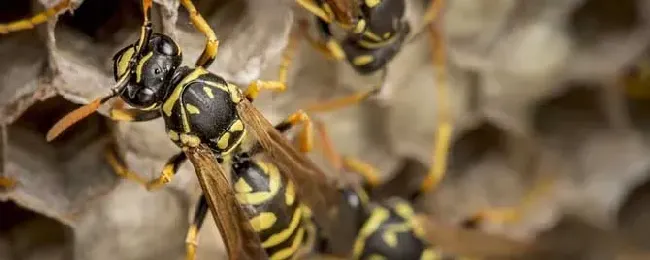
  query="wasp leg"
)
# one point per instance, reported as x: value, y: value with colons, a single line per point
x: 7, y: 183
x: 430, y: 15
x: 443, y: 133
x: 193, y: 232
x: 346, y: 101
x: 288, y: 55
x: 513, y: 214
x: 369, y: 173
x: 327, y: 146
x: 211, y: 44
x: 29, y: 23
x: 120, y: 167
x: 256, y: 86
x: 133, y: 115
x: 170, y: 169
x: 316, y: 10
x: 332, y: 51
x: 306, y: 134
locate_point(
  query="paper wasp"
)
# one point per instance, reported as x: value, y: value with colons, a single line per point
x: 376, y: 31
x: 208, y: 118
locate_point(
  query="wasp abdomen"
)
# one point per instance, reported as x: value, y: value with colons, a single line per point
x: 279, y: 218
x: 367, y: 57
x: 389, y: 233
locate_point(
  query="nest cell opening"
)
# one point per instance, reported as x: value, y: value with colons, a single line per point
x: 27, y: 234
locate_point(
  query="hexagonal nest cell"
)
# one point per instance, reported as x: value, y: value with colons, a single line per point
x: 47, y: 72
x: 57, y: 178
x: 25, y: 234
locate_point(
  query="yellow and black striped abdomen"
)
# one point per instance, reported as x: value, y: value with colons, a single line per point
x: 279, y: 218
x: 202, y: 109
x: 389, y: 233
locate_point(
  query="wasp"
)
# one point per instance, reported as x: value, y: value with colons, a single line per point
x: 383, y: 229
x: 208, y: 118
x: 283, y: 224
x: 376, y: 32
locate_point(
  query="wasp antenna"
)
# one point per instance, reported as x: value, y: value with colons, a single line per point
x: 72, y: 118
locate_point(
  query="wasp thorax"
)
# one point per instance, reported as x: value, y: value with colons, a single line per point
x: 151, y: 73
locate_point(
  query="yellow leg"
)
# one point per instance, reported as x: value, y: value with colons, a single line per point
x: 445, y: 129
x: 212, y: 44
x: 369, y: 173
x: 7, y: 183
x: 168, y: 172
x: 287, y: 56
x: 331, y: 50
x: 29, y: 23
x: 119, y: 166
x: 328, y: 147
x: 504, y: 215
x: 256, y: 86
x: 191, y: 240
x: 431, y: 14
x: 342, y: 102
x: 306, y: 134
x: 316, y: 10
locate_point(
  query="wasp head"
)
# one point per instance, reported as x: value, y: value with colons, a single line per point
x: 150, y: 75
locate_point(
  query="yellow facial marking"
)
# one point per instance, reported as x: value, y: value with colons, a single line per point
x: 290, y: 194
x: 377, y: 44
x: 372, y: 3
x: 190, y: 140
x: 241, y: 186
x: 178, y: 90
x: 236, y: 126
x: 152, y: 107
x: 390, y: 233
x: 283, y: 235
x: 363, y: 60
x: 192, y: 109
x: 256, y: 198
x: 223, y: 141
x: 386, y: 35
x: 138, y: 72
x: 123, y: 62
x: 264, y: 220
x: 235, y: 93
x: 173, y: 135
x: 208, y: 92
x: 295, y: 245
x: 121, y: 115
x: 377, y: 217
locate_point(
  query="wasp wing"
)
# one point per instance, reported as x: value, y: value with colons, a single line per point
x: 312, y: 184
x: 241, y: 241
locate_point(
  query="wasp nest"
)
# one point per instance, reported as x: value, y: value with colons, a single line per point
x: 531, y: 88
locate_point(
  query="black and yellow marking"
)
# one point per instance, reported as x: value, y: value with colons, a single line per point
x: 39, y: 18
x: 279, y: 217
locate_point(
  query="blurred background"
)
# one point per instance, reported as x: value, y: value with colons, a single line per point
x: 537, y: 89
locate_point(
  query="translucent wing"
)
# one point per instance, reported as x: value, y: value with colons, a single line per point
x: 241, y: 241
x: 313, y: 187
